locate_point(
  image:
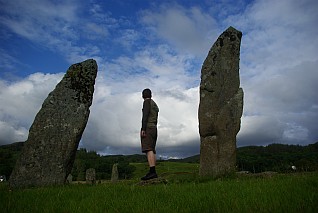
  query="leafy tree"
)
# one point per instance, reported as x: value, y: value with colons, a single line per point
x: 102, y: 165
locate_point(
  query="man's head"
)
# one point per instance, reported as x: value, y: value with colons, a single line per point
x: 146, y: 93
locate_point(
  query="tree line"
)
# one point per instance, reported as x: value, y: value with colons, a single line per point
x: 274, y: 157
x: 278, y: 158
x: 84, y: 160
x: 255, y: 159
x: 102, y: 165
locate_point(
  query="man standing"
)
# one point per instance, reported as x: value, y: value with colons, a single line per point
x: 148, y: 133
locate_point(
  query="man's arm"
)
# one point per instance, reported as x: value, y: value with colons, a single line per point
x: 145, y: 114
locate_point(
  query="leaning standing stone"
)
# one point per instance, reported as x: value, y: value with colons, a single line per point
x: 221, y: 105
x: 48, y: 154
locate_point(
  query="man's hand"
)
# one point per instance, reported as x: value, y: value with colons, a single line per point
x: 143, y: 133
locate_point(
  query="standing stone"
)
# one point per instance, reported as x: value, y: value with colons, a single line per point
x: 48, y: 154
x: 90, y: 176
x: 221, y: 105
x: 69, y: 179
x: 114, y: 177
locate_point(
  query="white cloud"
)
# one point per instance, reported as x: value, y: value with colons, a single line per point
x: 6, y: 60
x: 188, y: 29
x: 278, y: 71
x: 35, y: 19
x: 260, y: 130
x: 10, y: 133
x: 57, y: 26
x: 295, y: 132
x: 95, y: 31
x: 20, y: 101
x: 128, y: 38
x: 115, y: 118
x: 115, y: 122
x: 178, y: 117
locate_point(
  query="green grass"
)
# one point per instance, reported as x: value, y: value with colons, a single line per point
x: 185, y: 192
x: 173, y: 171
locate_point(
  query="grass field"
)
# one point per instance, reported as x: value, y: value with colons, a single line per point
x: 184, y: 192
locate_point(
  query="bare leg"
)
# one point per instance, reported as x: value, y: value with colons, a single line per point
x: 151, y: 158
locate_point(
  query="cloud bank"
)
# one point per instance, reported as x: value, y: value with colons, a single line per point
x: 163, y: 47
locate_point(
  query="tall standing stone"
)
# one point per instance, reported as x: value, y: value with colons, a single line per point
x: 90, y: 176
x: 48, y: 154
x: 221, y: 105
x: 114, y: 177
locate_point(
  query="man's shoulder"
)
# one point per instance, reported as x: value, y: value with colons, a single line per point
x: 146, y: 104
x: 147, y: 101
x: 154, y: 105
x: 152, y: 102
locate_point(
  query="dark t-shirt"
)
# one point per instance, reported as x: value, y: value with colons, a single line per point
x: 149, y: 114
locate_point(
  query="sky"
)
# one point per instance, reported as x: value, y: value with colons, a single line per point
x: 161, y: 45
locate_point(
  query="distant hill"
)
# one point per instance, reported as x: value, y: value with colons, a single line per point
x: 278, y: 157
x: 8, y: 156
x: 17, y: 146
x: 274, y: 157
x: 191, y: 159
x: 136, y: 158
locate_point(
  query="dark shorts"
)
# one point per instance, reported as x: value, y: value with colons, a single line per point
x: 148, y: 143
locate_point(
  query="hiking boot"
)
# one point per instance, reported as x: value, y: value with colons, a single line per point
x: 150, y: 176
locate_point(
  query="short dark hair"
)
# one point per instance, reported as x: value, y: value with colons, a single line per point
x: 146, y: 93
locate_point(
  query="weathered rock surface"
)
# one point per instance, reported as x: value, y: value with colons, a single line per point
x: 90, y: 176
x: 69, y: 179
x: 114, y: 177
x: 49, y: 152
x: 221, y: 105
